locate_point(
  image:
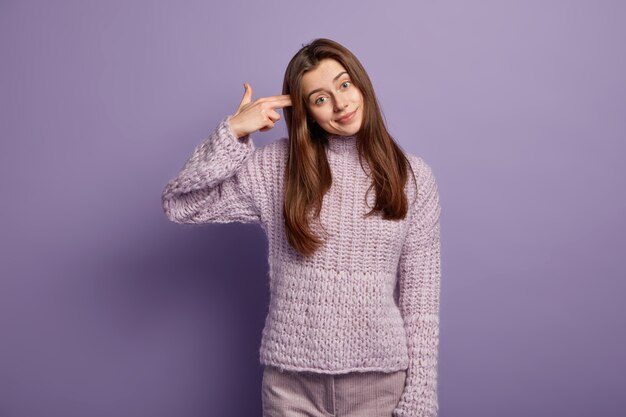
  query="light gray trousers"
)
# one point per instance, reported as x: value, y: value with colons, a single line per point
x: 309, y: 394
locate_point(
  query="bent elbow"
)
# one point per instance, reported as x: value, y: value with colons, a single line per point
x: 175, y: 210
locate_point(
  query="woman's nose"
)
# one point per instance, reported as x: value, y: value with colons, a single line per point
x: 340, y: 104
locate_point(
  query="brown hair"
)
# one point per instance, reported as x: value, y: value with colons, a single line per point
x: 307, y: 173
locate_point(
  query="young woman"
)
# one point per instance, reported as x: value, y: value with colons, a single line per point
x: 352, y: 224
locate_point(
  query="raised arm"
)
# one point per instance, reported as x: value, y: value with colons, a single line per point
x: 222, y: 180
x: 218, y: 183
x: 419, y: 288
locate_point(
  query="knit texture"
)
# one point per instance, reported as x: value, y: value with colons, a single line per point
x: 368, y: 299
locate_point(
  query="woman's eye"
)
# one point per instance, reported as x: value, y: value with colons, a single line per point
x: 342, y: 84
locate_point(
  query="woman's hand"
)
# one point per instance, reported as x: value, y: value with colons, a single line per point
x: 259, y: 114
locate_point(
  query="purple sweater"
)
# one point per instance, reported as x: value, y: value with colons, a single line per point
x: 368, y: 299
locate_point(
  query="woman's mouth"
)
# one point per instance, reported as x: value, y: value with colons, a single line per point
x: 347, y: 118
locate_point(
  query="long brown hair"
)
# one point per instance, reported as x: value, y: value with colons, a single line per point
x: 307, y: 173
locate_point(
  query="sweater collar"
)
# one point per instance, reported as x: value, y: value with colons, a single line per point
x: 342, y: 144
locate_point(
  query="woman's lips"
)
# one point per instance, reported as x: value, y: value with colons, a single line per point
x: 347, y: 118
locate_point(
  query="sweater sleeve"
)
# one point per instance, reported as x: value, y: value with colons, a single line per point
x: 218, y: 183
x: 418, y: 300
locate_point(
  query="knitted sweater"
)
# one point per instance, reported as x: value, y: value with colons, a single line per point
x: 368, y: 299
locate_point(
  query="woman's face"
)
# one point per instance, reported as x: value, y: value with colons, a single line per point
x: 330, y: 96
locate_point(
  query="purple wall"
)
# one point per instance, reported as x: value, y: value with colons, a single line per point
x: 107, y: 309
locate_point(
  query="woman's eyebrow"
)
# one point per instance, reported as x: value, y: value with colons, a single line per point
x: 320, y: 89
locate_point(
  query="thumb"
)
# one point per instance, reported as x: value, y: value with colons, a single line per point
x: 247, y: 95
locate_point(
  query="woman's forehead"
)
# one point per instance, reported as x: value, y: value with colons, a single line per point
x: 327, y: 71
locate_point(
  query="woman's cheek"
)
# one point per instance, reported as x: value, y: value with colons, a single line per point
x: 319, y: 115
x: 328, y: 113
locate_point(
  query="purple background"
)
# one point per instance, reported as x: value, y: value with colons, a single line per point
x: 108, y: 309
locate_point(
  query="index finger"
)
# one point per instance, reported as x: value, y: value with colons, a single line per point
x: 283, y: 100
